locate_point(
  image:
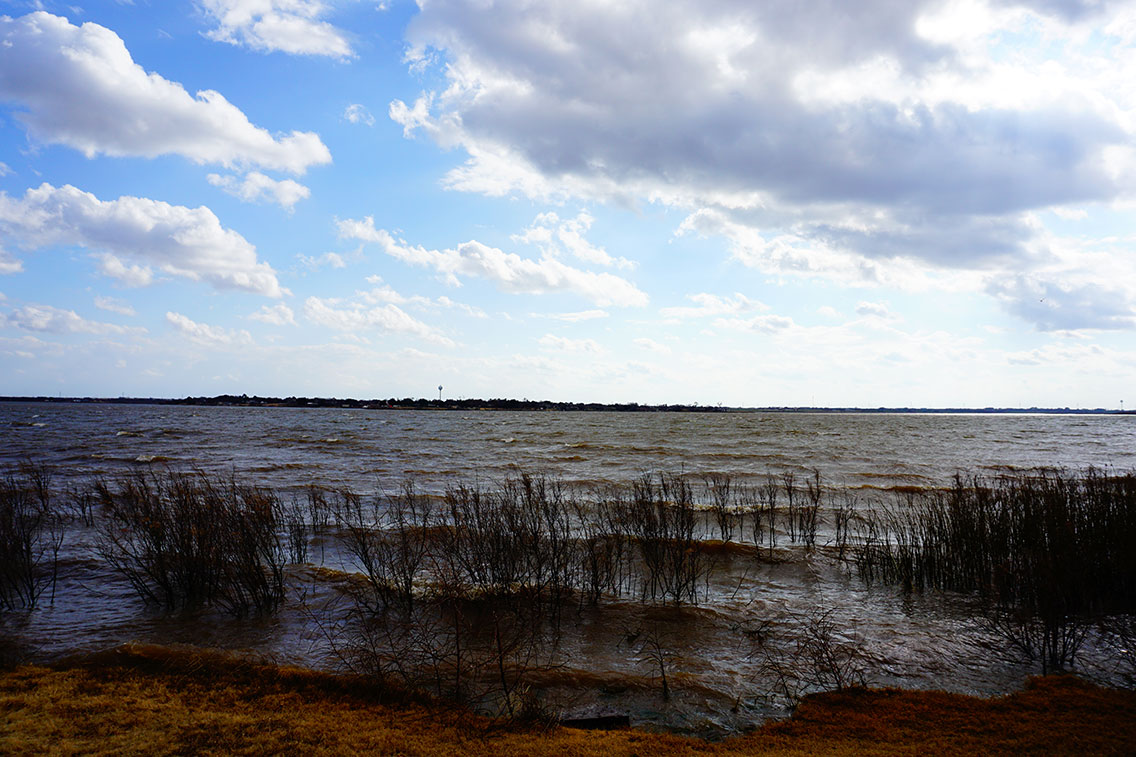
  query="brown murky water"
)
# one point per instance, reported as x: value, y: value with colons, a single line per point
x: 718, y: 684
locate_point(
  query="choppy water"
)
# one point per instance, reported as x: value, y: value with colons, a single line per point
x: 364, y: 449
x: 914, y: 641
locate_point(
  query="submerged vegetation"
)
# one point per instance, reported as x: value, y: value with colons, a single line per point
x: 1050, y: 554
x: 31, y: 533
x: 469, y: 594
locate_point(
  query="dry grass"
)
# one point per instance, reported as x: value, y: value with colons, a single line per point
x: 153, y: 701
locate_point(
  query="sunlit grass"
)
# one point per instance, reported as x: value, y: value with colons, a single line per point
x: 156, y: 701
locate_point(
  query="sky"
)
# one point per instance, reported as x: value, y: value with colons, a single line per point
x: 785, y: 203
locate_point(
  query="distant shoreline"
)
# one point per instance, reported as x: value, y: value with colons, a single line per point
x: 406, y: 403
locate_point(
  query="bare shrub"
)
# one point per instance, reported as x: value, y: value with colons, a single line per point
x: 808, y: 513
x: 843, y: 514
x: 602, y: 548
x: 806, y: 653
x: 185, y: 539
x: 30, y: 538
x: 718, y: 491
x: 655, y: 650
x: 662, y: 518
x: 1048, y: 553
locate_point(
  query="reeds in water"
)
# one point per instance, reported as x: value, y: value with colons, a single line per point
x: 187, y: 539
x: 1049, y: 553
x: 30, y: 537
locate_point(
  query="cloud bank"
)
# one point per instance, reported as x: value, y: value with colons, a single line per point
x: 184, y: 242
x: 869, y: 143
x: 79, y: 86
x: 508, y: 271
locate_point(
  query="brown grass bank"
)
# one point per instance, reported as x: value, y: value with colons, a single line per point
x: 155, y: 702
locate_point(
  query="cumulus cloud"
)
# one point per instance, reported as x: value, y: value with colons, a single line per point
x: 1065, y: 306
x: 576, y: 317
x: 358, y: 114
x: 555, y: 236
x: 9, y: 264
x: 184, y: 242
x: 129, y: 275
x: 508, y: 271
x: 113, y: 305
x: 764, y: 324
x: 707, y: 304
x: 206, y: 335
x: 873, y: 309
x: 822, y: 139
x: 563, y: 344
x: 256, y: 187
x: 289, y: 26
x: 80, y: 87
x: 653, y: 346
x: 326, y: 260
x: 275, y: 315
x: 384, y: 294
x: 357, y: 317
x: 53, y: 320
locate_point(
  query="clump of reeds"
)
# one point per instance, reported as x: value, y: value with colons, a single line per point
x: 1048, y: 552
x: 660, y: 514
x: 30, y: 537
x: 808, y: 652
x: 461, y: 598
x: 187, y: 539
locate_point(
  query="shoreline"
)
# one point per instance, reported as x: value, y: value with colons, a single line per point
x: 506, y: 405
x: 143, y: 699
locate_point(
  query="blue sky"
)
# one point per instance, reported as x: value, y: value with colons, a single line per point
x: 918, y: 203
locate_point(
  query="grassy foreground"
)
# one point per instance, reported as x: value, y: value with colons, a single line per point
x: 146, y: 700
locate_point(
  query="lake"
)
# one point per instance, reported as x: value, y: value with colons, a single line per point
x: 602, y: 664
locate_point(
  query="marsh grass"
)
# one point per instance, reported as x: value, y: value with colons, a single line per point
x: 465, y: 594
x: 1048, y: 553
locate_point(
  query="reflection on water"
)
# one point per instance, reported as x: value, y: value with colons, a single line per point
x: 924, y: 641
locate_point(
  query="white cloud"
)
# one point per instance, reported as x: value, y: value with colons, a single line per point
x: 256, y: 187
x: 9, y: 264
x: 130, y: 275
x: 653, y: 346
x: 470, y: 310
x: 80, y: 87
x: 581, y: 315
x: 384, y: 294
x: 49, y: 319
x: 275, y: 315
x: 180, y: 241
x: 563, y: 344
x: 873, y: 309
x: 707, y: 304
x: 113, y: 305
x: 4, y: 170
x: 328, y: 259
x: 508, y: 271
x: 289, y: 26
x: 358, y: 114
x: 355, y: 317
x: 1052, y: 304
x: 886, y: 144
x: 555, y: 236
x: 206, y: 335
x: 765, y: 324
